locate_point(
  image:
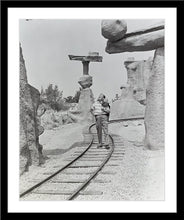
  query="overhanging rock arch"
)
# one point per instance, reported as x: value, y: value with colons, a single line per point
x: 151, y: 38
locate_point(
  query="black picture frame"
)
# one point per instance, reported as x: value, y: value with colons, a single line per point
x: 4, y: 106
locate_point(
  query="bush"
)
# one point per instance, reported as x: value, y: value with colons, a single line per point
x: 61, y: 106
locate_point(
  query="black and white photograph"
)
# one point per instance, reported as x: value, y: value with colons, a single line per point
x: 92, y: 108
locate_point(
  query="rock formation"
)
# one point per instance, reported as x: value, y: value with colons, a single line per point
x: 133, y: 94
x: 138, y: 73
x: 126, y: 106
x: 114, y: 29
x: 86, y: 98
x: 143, y: 40
x: 85, y: 102
x: 154, y: 115
x: 85, y: 81
x: 30, y: 128
x: 52, y: 119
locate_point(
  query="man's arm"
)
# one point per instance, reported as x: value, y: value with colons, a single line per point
x: 92, y: 109
x: 106, y: 109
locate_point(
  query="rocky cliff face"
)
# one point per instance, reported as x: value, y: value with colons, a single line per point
x: 29, y: 122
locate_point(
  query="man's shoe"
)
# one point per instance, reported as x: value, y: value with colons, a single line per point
x: 107, y: 146
x: 99, y: 145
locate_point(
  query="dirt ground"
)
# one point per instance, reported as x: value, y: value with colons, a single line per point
x: 139, y: 175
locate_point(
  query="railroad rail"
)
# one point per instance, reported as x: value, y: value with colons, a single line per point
x: 89, y: 154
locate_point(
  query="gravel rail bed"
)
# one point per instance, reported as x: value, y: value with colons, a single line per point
x: 133, y: 173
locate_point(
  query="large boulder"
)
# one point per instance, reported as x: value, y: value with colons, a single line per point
x: 113, y: 29
x: 154, y: 113
x: 85, y: 81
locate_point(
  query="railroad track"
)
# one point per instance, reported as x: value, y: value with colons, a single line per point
x: 62, y: 184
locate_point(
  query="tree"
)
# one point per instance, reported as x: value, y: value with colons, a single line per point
x: 52, y: 96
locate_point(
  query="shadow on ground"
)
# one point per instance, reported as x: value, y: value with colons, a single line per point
x: 59, y: 151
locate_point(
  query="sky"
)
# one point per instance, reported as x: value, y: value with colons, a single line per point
x: 46, y: 45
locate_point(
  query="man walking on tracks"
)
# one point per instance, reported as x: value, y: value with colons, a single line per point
x: 101, y: 109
